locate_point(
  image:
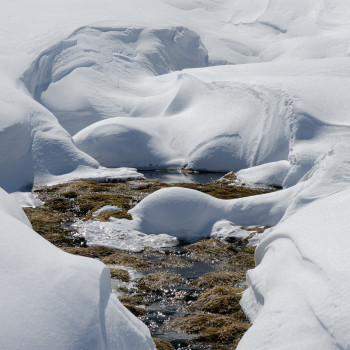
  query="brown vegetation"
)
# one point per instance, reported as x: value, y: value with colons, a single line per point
x: 157, y: 280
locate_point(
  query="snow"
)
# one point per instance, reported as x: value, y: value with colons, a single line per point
x: 121, y: 234
x: 269, y: 174
x: 106, y: 208
x: 95, y: 90
x: 226, y: 231
x: 57, y: 300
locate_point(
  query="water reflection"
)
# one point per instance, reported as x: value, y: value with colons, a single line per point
x: 177, y: 177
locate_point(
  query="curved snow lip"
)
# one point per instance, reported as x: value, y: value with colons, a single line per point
x: 68, y: 296
x: 106, y: 57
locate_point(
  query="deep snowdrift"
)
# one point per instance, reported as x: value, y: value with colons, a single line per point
x: 102, y: 88
x: 54, y: 300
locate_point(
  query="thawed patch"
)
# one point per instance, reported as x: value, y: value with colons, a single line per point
x: 121, y: 234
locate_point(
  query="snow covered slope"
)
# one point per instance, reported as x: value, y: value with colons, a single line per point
x: 260, y: 87
x: 54, y: 300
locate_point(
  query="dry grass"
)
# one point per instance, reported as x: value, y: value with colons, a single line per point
x: 120, y: 274
x: 137, y: 311
x: 136, y: 299
x: 220, y: 300
x: 49, y: 224
x: 125, y: 259
x: 196, y: 323
x: 224, y: 191
x: 157, y: 280
x: 242, y: 260
x: 90, y: 252
x: 209, y: 249
x: 222, y: 278
x: 219, y: 331
x: 230, y: 334
x: 162, y: 345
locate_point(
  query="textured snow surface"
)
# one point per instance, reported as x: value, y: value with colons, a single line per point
x: 261, y: 87
x: 54, y: 300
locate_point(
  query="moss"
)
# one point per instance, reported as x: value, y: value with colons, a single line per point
x: 220, y: 300
x: 120, y: 274
x: 91, y: 202
x: 222, y: 278
x: 123, y: 290
x: 212, y: 329
x: 157, y: 280
x: 137, y: 311
x: 169, y: 261
x: 59, y: 240
x: 224, y: 191
x: 242, y: 260
x: 118, y: 214
x: 58, y: 204
x: 196, y: 323
x: 230, y: 176
x: 90, y: 252
x: 209, y: 249
x: 136, y: 299
x: 162, y: 345
x: 125, y: 259
x: 229, y: 334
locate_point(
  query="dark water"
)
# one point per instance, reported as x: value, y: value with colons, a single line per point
x: 177, y: 177
x: 169, y: 302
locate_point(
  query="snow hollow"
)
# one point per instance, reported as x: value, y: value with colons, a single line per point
x: 97, y: 90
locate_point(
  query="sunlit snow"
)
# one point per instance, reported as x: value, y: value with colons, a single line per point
x: 259, y: 87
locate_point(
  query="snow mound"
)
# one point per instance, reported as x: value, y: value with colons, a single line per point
x: 208, y: 130
x: 269, y: 174
x: 172, y: 211
x: 37, y: 147
x: 226, y: 231
x: 90, y: 71
x: 307, y: 284
x: 43, y: 288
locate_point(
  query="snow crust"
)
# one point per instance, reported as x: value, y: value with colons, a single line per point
x: 257, y: 87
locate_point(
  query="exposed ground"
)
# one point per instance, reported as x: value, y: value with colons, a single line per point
x: 187, y: 295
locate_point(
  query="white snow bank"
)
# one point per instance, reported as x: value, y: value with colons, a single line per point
x: 54, y: 300
x: 95, y: 68
x: 269, y: 174
x: 306, y: 294
x: 231, y: 118
x: 210, y: 129
x: 36, y: 150
x: 190, y: 215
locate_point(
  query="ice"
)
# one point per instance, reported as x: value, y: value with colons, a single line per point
x: 226, y: 231
x: 121, y: 234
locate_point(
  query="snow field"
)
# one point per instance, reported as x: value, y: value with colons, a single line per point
x: 258, y: 87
